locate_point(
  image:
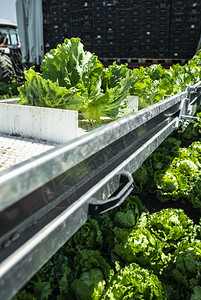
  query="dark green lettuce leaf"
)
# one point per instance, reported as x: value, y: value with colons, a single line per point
x: 134, y: 282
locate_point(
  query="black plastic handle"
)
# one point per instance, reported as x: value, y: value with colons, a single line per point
x: 100, y: 207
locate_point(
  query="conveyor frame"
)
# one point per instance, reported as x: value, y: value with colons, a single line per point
x: 46, y: 199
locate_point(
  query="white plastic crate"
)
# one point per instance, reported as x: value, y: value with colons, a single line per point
x: 48, y: 124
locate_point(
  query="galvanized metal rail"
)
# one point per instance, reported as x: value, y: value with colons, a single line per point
x: 46, y: 199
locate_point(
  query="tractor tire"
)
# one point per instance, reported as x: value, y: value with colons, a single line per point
x: 7, y: 71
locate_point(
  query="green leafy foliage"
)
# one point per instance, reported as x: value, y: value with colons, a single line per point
x: 154, y: 83
x: 9, y: 90
x: 126, y: 253
x: 130, y: 253
x: 134, y: 282
x: 41, y: 92
x: 74, y: 79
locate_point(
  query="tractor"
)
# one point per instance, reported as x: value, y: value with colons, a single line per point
x: 11, y: 65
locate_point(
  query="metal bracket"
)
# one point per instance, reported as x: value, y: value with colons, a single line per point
x: 186, y: 111
x: 100, y: 207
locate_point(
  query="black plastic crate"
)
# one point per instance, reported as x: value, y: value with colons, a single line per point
x: 87, y: 27
x: 147, y: 53
x: 181, y: 18
x: 99, y: 40
x: 162, y: 41
x: 136, y: 47
x: 132, y: 13
x: 122, y: 41
x: 149, y: 11
x: 86, y: 18
x: 136, y: 20
x: 163, y: 12
x: 176, y: 47
x: 110, y: 43
x: 98, y: 15
x: 65, y: 27
x: 134, y: 3
x: 148, y: 3
x: 100, y: 29
x: 98, y: 22
x: 148, y: 27
x: 124, y: 55
x: 110, y: 9
x: 160, y: 27
x: 110, y: 3
x: 47, y: 35
x: 54, y: 14
x: 46, y: 8
x: 86, y: 3
x: 148, y: 33
x: 98, y: 8
x: 134, y: 34
x: 189, y: 53
x: 135, y: 53
x: 178, y: 3
x: 177, y: 32
x: 147, y: 41
x: 123, y: 48
x: 123, y: 20
x: 163, y: 4
x: 122, y: 27
x: 136, y: 28
x: 135, y: 42
x: 75, y: 5
x: 65, y: 13
x: 110, y: 23
x: 65, y: 3
x: 177, y: 26
x: 99, y: 50
x: 176, y: 54
x: 76, y: 31
x: 75, y: 16
x: 162, y: 18
x: 122, y: 13
x: 148, y: 18
x: 193, y: 3
x: 162, y: 33
x: 122, y: 34
x: 122, y: 4
x: 53, y: 3
x: 192, y: 33
x: 161, y: 54
x: 86, y: 13
x: 193, y: 18
x: 111, y: 52
x: 88, y: 39
x: 177, y: 40
x: 110, y: 35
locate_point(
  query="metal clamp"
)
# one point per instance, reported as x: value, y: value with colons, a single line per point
x: 100, y: 207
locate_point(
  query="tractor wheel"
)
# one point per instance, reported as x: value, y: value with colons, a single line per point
x: 7, y: 71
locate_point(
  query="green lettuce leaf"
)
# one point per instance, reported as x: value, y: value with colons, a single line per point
x: 38, y: 91
x: 134, y: 282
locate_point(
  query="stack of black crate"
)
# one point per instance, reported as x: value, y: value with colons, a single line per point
x: 125, y: 28
x: 135, y: 17
x: 148, y: 28
x: 162, y: 29
x: 98, y: 24
x: 122, y: 37
x: 111, y: 30
x: 192, y: 28
x: 56, y: 24
x: 177, y: 28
